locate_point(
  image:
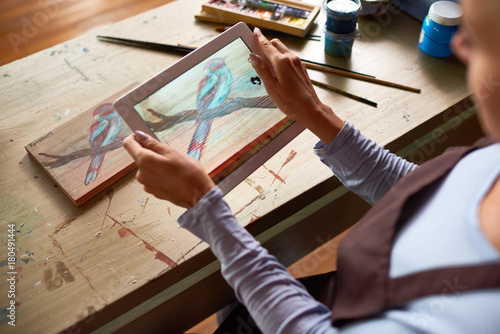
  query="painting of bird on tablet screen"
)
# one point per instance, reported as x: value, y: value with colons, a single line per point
x: 213, y: 90
x: 216, y: 111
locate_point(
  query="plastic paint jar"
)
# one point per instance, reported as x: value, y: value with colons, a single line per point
x: 342, y: 15
x: 339, y: 44
x: 438, y: 28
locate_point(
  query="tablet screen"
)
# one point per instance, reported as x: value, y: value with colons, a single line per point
x: 218, y: 111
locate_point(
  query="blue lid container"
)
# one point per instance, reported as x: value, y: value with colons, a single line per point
x: 339, y: 44
x: 342, y: 15
x: 438, y: 28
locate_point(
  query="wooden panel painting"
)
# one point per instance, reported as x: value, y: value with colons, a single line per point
x: 218, y: 112
x: 85, y: 155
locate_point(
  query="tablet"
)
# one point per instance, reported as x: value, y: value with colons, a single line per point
x: 212, y: 105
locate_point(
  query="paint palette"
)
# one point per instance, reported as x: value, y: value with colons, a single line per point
x: 85, y: 155
x: 291, y: 17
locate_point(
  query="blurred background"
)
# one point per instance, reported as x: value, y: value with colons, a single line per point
x: 29, y: 26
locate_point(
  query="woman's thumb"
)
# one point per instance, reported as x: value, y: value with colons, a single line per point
x: 149, y: 142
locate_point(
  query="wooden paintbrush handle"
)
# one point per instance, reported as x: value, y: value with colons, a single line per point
x: 360, y: 77
x: 343, y: 92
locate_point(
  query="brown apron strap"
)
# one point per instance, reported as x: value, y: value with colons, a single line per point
x: 443, y: 281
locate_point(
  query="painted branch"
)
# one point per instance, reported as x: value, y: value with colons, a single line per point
x: 61, y: 160
x: 169, y: 121
x: 165, y: 123
x: 227, y: 108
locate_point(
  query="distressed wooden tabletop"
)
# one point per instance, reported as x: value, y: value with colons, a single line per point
x: 101, y: 266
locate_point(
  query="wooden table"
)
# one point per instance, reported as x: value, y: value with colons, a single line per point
x: 76, y: 272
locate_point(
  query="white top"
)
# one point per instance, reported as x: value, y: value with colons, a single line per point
x: 448, y: 223
x: 446, y: 13
x: 343, y: 6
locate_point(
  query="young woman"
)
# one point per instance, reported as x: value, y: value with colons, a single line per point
x: 426, y: 258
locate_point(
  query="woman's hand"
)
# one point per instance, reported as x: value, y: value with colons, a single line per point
x: 167, y: 173
x: 287, y: 83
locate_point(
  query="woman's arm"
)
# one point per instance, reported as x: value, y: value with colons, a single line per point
x: 277, y: 302
x: 367, y: 169
x: 364, y: 167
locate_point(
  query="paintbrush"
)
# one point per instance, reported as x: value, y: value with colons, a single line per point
x: 324, y: 68
x: 343, y: 92
x: 185, y: 49
x: 147, y: 45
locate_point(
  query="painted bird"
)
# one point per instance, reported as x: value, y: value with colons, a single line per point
x: 103, y: 131
x: 213, y: 89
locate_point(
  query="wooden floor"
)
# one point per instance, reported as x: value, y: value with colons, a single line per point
x: 29, y: 26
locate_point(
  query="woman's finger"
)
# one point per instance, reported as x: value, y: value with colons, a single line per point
x: 280, y: 46
x: 267, y: 48
x: 132, y: 146
x: 264, y: 71
x: 151, y: 143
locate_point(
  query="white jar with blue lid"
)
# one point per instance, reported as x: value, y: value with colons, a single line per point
x: 438, y: 28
